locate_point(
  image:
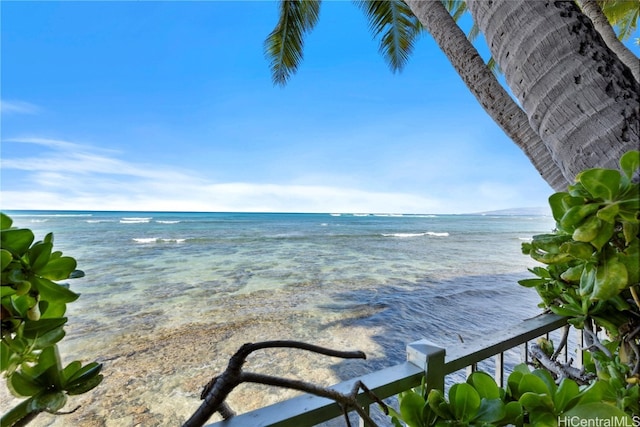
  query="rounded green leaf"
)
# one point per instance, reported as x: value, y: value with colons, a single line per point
x: 464, y: 401
x: 604, y: 235
x: 411, y: 406
x: 52, y: 291
x: 578, y: 250
x: 567, y: 391
x: 438, y: 404
x: 588, y: 229
x: 93, y: 369
x: 611, y: 278
x: 42, y: 326
x: 536, y: 402
x: 559, y: 205
x: 23, y: 385
x: 630, y: 162
x: 609, y: 212
x: 84, y: 386
x: 484, y: 384
x: 16, y: 241
x: 574, y: 216
x: 532, y: 383
x: 58, y: 268
x: 5, y: 222
x: 39, y: 255
x: 601, y: 183
x: 49, y: 402
x: 491, y: 411
x: 5, y: 258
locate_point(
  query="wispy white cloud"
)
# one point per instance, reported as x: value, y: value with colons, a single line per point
x: 68, y: 175
x: 18, y: 107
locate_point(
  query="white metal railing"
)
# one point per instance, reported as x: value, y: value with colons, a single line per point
x: 423, y: 359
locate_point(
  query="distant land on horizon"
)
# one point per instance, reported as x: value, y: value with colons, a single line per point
x: 534, y: 211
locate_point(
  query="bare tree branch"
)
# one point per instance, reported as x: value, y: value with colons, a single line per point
x: 217, y: 390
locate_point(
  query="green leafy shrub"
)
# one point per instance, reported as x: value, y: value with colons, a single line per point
x: 530, y: 397
x: 33, y: 309
x: 592, y: 272
x: 591, y: 276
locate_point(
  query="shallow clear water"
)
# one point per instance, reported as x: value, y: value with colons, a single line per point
x: 161, y: 283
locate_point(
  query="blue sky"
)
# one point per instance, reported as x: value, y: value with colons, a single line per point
x: 170, y: 106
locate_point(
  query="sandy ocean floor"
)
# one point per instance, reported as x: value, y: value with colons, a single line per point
x: 136, y: 390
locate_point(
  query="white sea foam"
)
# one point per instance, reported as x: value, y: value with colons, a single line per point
x: 134, y: 220
x: 147, y: 240
x: 96, y: 221
x: 405, y: 235
x: 39, y: 220
x: 335, y: 214
x: 167, y: 222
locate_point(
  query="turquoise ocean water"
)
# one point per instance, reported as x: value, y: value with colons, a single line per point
x: 342, y: 280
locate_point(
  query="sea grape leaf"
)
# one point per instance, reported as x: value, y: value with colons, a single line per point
x: 52, y: 291
x: 17, y: 240
x: 630, y: 162
x: 84, y: 386
x: 611, y: 277
x: 484, y: 384
x: 532, y: 383
x: 42, y: 326
x: 546, y: 377
x: 58, y: 269
x: 604, y: 235
x: 5, y: 222
x: 39, y: 255
x: 464, y: 401
x: 50, y: 402
x: 567, y: 390
x: 49, y: 338
x: 536, y: 402
x: 601, y: 183
x: 411, y: 408
x: 588, y: 229
x: 6, y: 258
x: 558, y: 204
x: 24, y: 385
x: 490, y: 411
x: 609, y: 212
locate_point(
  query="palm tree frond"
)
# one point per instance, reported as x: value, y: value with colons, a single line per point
x: 456, y: 8
x: 623, y: 15
x: 397, y: 27
x: 284, y: 45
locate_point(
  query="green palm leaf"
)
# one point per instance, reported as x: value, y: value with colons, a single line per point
x: 622, y: 14
x: 397, y: 27
x: 284, y: 46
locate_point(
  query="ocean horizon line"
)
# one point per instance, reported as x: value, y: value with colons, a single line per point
x: 529, y: 211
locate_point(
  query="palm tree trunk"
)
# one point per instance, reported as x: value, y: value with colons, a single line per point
x: 486, y: 88
x: 579, y: 97
x: 602, y: 25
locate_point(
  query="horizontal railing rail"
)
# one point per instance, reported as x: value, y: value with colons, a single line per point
x: 423, y: 359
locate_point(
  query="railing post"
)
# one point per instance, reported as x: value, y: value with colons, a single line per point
x: 429, y: 357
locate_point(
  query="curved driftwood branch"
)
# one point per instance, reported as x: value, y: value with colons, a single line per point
x: 217, y: 390
x: 557, y: 368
